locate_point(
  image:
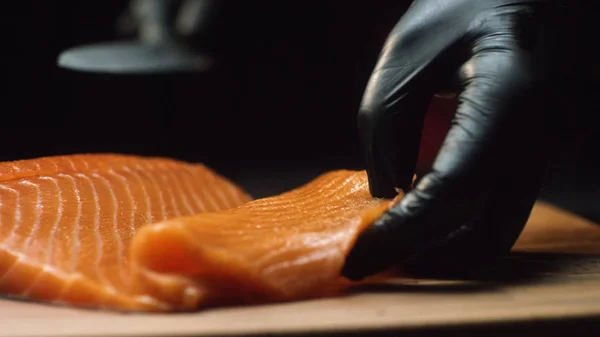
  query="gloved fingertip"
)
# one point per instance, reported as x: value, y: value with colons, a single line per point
x: 349, y: 271
x: 373, y: 249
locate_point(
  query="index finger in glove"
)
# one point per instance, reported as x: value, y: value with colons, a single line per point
x: 409, y: 71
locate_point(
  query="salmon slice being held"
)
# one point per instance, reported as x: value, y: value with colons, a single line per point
x: 283, y: 248
x: 66, y: 222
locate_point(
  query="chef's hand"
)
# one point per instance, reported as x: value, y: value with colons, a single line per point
x: 473, y: 203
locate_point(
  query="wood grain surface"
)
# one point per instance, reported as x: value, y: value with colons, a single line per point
x: 552, y: 274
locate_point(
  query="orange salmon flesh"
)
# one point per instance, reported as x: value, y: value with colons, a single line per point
x: 132, y: 233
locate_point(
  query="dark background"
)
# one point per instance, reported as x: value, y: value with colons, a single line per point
x: 279, y: 107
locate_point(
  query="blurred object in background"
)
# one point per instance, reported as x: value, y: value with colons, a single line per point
x: 169, y: 36
x: 183, y: 22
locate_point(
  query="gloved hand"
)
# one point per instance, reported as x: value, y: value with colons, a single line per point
x: 500, y: 55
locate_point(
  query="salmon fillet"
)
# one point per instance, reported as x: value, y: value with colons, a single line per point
x: 282, y: 248
x: 66, y: 222
x: 152, y: 234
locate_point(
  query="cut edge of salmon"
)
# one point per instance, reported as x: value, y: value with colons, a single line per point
x: 193, y: 274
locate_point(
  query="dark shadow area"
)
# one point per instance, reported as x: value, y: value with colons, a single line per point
x: 426, y: 287
x: 556, y: 328
x: 515, y: 269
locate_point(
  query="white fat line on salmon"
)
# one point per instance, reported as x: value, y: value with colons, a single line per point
x: 76, y: 241
x: 17, y: 213
x: 181, y: 192
x: 4, y: 245
x: 221, y: 196
x: 207, y: 196
x: 125, y: 183
x: 115, y: 220
x: 56, y: 166
x: 165, y: 180
x: 162, y: 204
x: 41, y: 271
x: 38, y: 214
x: 59, y: 214
x: 97, y: 233
x: 190, y: 185
x: 149, y: 217
x: 70, y: 161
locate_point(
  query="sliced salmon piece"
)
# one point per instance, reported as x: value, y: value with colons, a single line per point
x: 282, y: 248
x: 66, y: 222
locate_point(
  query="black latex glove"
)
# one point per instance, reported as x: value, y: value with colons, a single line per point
x: 470, y: 208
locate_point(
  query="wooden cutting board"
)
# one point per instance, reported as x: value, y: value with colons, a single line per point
x: 553, y: 274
